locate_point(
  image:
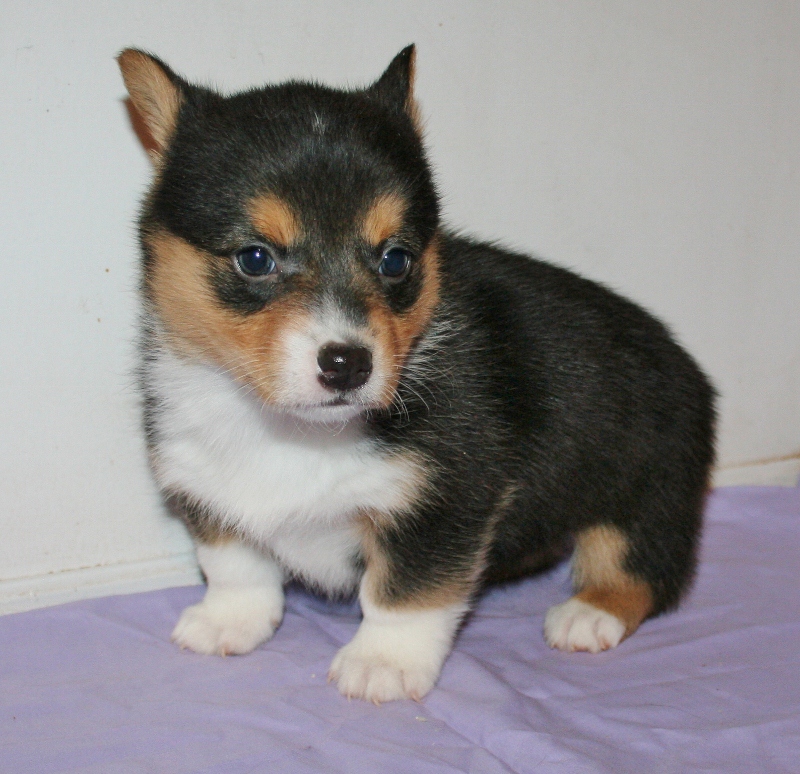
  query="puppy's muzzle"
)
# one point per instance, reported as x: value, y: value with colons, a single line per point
x: 344, y: 367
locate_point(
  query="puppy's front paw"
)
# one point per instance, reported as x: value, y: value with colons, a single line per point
x: 230, y: 621
x: 396, y: 654
x: 577, y: 625
x: 364, y: 669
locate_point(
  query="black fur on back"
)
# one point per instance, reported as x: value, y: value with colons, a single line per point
x: 551, y: 386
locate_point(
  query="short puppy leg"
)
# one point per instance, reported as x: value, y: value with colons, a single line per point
x: 609, y: 605
x: 243, y: 605
x: 397, y: 653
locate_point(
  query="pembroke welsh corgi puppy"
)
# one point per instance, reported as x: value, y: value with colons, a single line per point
x: 340, y: 390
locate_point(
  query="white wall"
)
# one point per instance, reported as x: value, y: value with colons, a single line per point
x: 654, y: 146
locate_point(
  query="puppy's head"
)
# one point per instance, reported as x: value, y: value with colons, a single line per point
x: 290, y: 234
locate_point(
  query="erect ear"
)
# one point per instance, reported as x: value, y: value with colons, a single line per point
x: 155, y: 92
x: 395, y: 88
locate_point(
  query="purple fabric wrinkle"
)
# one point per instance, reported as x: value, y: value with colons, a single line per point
x: 96, y: 686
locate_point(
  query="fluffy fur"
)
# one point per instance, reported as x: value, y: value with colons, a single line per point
x: 340, y: 390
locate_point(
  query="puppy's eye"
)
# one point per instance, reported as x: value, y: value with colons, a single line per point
x: 395, y: 264
x: 254, y: 262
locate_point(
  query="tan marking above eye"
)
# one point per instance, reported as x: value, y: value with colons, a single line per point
x: 275, y: 219
x: 384, y: 218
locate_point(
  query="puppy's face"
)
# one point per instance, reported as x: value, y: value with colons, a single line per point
x: 290, y: 236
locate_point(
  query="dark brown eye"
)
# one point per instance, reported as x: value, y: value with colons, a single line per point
x: 395, y: 263
x: 254, y: 262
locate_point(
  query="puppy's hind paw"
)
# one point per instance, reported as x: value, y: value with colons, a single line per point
x: 577, y: 625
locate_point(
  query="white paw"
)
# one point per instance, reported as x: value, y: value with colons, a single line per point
x: 576, y: 625
x: 395, y: 654
x: 364, y: 670
x: 230, y: 621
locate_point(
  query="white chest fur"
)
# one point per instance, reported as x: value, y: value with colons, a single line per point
x: 290, y: 486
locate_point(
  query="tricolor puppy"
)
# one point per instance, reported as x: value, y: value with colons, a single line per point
x: 339, y: 390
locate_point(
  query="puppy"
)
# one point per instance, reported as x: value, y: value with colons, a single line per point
x: 340, y: 390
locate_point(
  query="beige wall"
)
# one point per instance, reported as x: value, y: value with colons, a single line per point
x: 653, y: 146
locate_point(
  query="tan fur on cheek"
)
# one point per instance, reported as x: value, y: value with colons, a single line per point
x: 198, y: 326
x: 275, y: 219
x: 411, y: 324
x: 397, y: 333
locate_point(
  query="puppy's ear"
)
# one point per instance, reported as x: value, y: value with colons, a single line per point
x: 395, y: 88
x: 156, y: 92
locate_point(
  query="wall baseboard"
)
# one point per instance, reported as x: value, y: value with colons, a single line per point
x: 781, y: 472
x: 20, y: 594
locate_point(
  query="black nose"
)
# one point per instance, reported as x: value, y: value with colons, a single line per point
x: 344, y: 367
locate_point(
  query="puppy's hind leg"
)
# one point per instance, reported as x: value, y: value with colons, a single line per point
x: 243, y: 605
x: 609, y: 604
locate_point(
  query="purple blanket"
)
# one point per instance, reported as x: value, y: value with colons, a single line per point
x: 96, y: 686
